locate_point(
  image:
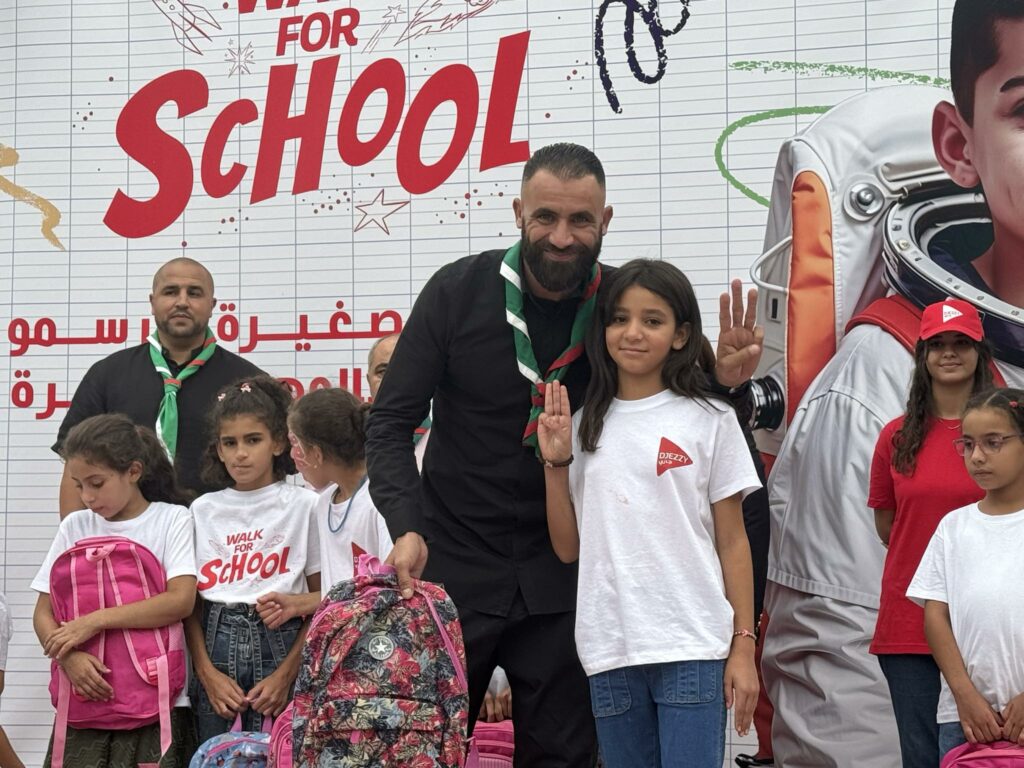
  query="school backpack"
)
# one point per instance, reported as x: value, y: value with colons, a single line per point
x: 998, y: 754
x: 147, y: 666
x: 493, y: 745
x: 822, y: 264
x: 383, y: 678
x: 281, y: 740
x: 236, y: 748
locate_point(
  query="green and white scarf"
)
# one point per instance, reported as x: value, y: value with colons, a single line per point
x: 167, y: 417
x: 524, y: 347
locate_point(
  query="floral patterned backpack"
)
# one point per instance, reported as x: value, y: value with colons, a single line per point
x: 383, y: 679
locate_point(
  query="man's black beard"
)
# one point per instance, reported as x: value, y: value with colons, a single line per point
x: 555, y: 276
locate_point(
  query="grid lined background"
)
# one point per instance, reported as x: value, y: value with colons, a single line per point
x: 67, y: 68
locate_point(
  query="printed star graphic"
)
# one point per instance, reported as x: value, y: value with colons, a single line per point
x: 394, y: 11
x: 240, y: 58
x: 377, y: 212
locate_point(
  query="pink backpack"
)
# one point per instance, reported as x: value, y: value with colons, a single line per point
x: 998, y: 754
x: 147, y: 666
x: 383, y: 679
x: 492, y: 746
x: 281, y: 740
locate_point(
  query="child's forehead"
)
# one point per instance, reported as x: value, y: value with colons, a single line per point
x: 242, y: 424
x: 985, y: 420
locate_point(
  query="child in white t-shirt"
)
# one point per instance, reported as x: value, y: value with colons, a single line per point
x: 652, y: 509
x: 128, y: 484
x: 327, y: 430
x: 8, y: 757
x: 970, y: 578
x: 256, y: 536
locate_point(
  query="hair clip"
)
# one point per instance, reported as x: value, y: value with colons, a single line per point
x: 245, y: 388
x: 221, y: 396
x: 1013, y: 403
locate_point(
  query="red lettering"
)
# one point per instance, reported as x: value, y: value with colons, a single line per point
x: 308, y: 43
x: 498, y: 147
x: 386, y: 75
x: 270, y: 565
x: 215, y: 183
x: 209, y: 575
x: 237, y: 568
x: 284, y: 561
x: 248, y: 6
x: 309, y: 128
x: 254, y: 565
x: 348, y: 28
x: 163, y: 155
x: 319, y: 382
x: 455, y: 83
x: 284, y: 33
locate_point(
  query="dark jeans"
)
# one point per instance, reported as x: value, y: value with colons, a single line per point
x: 950, y: 735
x: 914, y: 685
x: 239, y: 645
x: 550, y: 697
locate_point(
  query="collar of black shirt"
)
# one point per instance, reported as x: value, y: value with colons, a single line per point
x: 175, y: 367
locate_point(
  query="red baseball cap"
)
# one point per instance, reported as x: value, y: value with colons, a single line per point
x: 951, y: 315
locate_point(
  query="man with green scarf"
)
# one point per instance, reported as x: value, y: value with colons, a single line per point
x: 167, y: 383
x: 485, y: 331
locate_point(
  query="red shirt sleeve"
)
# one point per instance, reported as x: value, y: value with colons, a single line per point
x: 882, y: 490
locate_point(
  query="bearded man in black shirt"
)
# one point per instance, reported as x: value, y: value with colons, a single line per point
x: 483, y: 331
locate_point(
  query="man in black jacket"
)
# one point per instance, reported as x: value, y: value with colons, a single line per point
x: 483, y: 331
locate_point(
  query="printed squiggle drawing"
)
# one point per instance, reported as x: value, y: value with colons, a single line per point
x: 189, y: 22
x: 651, y: 17
x: 51, y: 216
x: 392, y: 15
x: 802, y: 68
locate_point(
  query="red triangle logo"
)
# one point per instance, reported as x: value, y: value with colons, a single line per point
x: 671, y: 456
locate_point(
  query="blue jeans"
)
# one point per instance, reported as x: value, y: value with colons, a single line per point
x: 239, y: 645
x: 661, y: 715
x: 950, y: 735
x: 914, y: 685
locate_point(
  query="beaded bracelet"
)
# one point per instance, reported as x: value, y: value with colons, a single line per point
x: 555, y: 464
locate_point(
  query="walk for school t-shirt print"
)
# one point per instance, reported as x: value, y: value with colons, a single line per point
x: 249, y: 543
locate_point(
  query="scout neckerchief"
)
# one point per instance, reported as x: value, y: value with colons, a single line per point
x: 167, y: 417
x: 524, y: 348
x: 421, y: 431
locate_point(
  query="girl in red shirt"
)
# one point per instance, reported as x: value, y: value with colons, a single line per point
x: 916, y: 479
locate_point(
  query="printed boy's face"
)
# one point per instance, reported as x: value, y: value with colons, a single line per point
x: 995, y: 142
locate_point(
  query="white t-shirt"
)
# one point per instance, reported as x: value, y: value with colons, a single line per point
x: 249, y: 543
x: 163, y: 529
x: 6, y: 630
x: 356, y: 521
x: 650, y: 582
x: 973, y: 564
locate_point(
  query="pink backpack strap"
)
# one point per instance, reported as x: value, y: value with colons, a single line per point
x: 60, y: 726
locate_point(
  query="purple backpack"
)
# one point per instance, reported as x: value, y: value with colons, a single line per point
x: 236, y: 748
x: 147, y: 666
x: 998, y: 754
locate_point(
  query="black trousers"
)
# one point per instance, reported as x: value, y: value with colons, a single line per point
x: 554, y: 724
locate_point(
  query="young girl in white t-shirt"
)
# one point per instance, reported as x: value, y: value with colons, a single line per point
x: 327, y: 430
x: 256, y: 536
x: 652, y: 509
x: 127, y: 482
x: 970, y: 582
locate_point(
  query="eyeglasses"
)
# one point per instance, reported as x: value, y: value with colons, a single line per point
x: 990, y: 444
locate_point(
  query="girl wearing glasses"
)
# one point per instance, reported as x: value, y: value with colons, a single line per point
x: 970, y: 578
x: 916, y: 479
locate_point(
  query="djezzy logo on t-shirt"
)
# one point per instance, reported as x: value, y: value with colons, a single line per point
x: 671, y: 456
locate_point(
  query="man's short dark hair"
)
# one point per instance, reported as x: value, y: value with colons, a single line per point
x: 565, y: 161
x: 974, y: 46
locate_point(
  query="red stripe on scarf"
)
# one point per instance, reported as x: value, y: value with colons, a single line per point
x: 175, y: 382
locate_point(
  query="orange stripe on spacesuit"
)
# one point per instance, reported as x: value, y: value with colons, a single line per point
x: 810, y: 335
